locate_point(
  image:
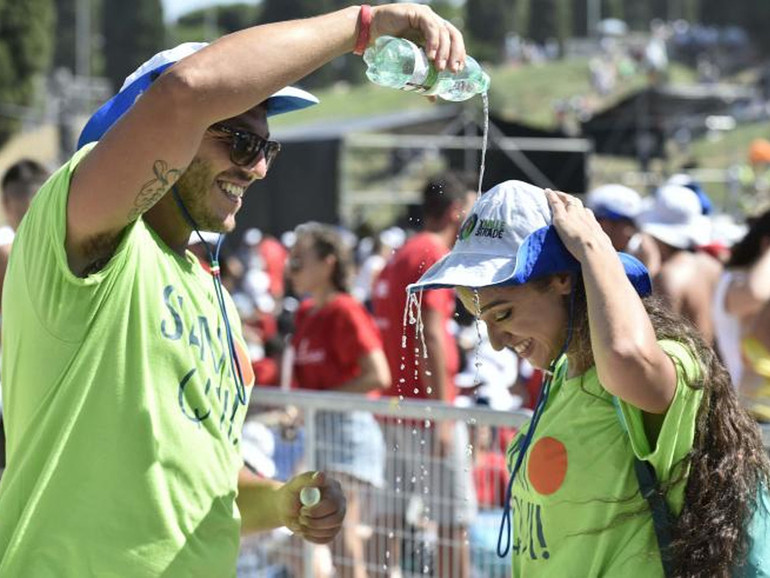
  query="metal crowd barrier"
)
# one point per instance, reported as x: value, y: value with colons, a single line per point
x: 415, y: 524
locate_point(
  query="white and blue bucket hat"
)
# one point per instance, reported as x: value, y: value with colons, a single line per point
x: 285, y: 100
x: 508, y: 239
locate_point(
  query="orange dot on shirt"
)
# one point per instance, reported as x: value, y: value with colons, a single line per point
x: 245, y: 363
x: 547, y: 465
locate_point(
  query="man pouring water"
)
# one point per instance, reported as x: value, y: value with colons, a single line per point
x: 123, y: 445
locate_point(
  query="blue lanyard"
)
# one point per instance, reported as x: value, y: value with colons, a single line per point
x: 542, y: 401
x: 235, y: 364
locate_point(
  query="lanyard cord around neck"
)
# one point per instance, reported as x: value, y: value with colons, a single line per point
x: 542, y: 401
x: 235, y: 364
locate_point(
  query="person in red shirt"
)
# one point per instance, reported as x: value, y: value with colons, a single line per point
x: 338, y: 347
x: 446, y: 199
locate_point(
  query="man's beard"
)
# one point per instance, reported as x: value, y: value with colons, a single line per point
x: 194, y: 187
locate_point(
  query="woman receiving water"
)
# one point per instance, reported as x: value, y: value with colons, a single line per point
x: 633, y: 399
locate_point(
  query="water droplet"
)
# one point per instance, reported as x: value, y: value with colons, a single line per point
x: 403, y: 366
x: 429, y: 390
x: 427, y: 424
x: 414, y: 479
x: 428, y: 373
x: 391, y: 534
x: 469, y: 450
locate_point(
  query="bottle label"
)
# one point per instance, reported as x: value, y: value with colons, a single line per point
x: 424, y: 75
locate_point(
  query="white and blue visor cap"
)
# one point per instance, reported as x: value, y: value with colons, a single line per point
x: 614, y: 202
x: 285, y: 100
x: 508, y: 239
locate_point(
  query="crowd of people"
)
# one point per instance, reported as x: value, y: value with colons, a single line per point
x: 612, y: 319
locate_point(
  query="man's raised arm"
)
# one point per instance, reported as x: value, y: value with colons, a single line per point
x: 144, y: 153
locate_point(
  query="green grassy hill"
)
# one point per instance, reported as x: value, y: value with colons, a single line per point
x: 528, y: 94
x: 525, y: 93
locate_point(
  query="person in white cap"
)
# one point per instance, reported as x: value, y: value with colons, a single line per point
x: 125, y: 374
x: 635, y: 405
x: 617, y: 209
x: 687, y: 277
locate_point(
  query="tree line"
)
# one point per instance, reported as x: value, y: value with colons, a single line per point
x: 37, y: 36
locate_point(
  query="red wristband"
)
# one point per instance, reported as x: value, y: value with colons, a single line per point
x: 364, y: 28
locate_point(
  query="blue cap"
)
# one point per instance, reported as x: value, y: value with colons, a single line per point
x: 285, y: 100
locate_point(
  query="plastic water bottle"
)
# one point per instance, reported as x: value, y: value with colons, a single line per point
x: 399, y: 63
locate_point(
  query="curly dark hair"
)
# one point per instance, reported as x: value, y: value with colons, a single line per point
x: 746, y: 251
x: 727, y: 464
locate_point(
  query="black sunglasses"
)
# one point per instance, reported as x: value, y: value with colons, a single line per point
x: 245, y: 146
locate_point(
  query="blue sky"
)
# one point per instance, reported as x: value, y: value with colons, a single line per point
x: 172, y: 9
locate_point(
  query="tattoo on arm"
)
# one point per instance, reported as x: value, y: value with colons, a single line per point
x: 153, y: 190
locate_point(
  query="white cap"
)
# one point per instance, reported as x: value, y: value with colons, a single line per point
x: 508, y: 239
x: 675, y: 218
x: 614, y: 202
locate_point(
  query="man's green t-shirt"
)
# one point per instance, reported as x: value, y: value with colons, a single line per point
x: 576, y: 505
x: 122, y: 418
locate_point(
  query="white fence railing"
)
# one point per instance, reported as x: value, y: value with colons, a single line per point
x: 417, y: 507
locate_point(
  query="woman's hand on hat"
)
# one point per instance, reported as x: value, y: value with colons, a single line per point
x: 442, y: 41
x: 576, y: 225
